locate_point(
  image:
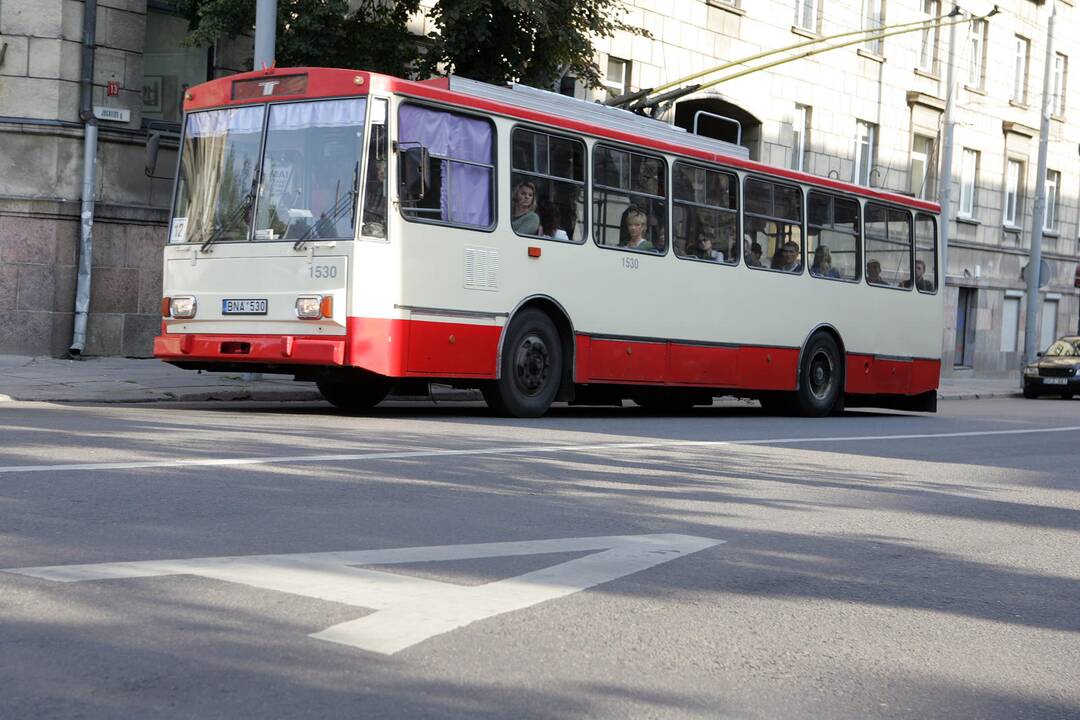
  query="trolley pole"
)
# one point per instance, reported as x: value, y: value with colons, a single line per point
x: 947, y: 149
x: 1031, y: 327
x: 265, y: 33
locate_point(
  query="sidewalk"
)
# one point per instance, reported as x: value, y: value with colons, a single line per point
x: 112, y: 380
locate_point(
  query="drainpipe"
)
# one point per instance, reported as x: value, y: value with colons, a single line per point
x: 86, y: 214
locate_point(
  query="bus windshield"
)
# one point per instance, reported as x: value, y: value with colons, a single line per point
x: 302, y: 186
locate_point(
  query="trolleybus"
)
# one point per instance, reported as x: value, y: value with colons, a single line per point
x: 366, y: 232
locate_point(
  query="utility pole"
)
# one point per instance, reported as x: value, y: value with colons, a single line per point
x: 947, y: 149
x: 265, y: 33
x: 1031, y: 327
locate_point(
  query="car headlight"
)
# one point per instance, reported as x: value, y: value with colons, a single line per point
x: 1029, y: 371
x: 182, y: 306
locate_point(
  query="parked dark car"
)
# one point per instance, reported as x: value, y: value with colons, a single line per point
x: 1056, y: 371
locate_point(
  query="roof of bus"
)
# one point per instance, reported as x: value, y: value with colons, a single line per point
x: 521, y: 103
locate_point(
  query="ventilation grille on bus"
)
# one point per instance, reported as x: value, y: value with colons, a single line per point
x: 481, y: 268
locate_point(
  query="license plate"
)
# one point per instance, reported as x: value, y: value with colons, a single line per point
x: 243, y: 306
x: 1056, y: 381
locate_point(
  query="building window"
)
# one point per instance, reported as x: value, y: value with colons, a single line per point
x: 1061, y: 76
x: 976, y: 72
x: 1014, y: 173
x: 800, y: 139
x: 1020, y: 70
x: 1053, y: 182
x: 922, y: 167
x: 169, y: 68
x: 873, y: 17
x: 865, y: 151
x: 806, y: 14
x: 617, y: 80
x: 969, y: 171
x: 928, y: 53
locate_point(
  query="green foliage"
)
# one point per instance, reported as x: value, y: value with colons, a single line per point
x: 528, y: 41
x: 499, y: 41
x: 316, y: 32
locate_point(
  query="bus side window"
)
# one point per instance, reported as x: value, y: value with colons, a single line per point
x: 926, y: 253
x: 888, y: 246
x: 460, y: 170
x: 547, y: 186
x: 629, y: 200
x: 833, y: 236
x: 374, y: 220
x: 772, y: 217
x: 705, y: 214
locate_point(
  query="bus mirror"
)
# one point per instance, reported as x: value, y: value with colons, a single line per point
x: 413, y: 175
x: 152, y: 144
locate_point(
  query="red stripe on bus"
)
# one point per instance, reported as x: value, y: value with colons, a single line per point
x: 418, y: 348
x: 278, y: 349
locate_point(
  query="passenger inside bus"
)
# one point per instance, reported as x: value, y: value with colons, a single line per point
x: 753, y: 252
x: 822, y: 265
x: 786, y: 258
x: 634, y: 230
x: 873, y: 273
x: 920, y: 278
x: 701, y: 246
x: 523, y: 217
x: 549, y: 222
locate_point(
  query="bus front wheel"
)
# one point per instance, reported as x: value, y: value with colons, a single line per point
x: 820, y: 377
x: 530, y: 369
x: 353, y: 396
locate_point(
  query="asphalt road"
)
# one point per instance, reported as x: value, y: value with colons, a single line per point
x: 253, y: 561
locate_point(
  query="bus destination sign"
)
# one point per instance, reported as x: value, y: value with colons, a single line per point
x: 269, y: 86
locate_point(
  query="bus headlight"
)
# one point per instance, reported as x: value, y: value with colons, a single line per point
x: 182, y: 306
x: 309, y: 307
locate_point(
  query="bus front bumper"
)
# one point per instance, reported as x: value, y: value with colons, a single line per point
x: 262, y: 349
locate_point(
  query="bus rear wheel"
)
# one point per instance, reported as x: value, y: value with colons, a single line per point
x: 530, y: 368
x: 353, y: 396
x: 819, y: 377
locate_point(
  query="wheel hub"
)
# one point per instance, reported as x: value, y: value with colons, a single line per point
x: 821, y: 377
x: 532, y: 364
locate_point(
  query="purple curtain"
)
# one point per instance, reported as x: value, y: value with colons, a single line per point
x: 466, y: 189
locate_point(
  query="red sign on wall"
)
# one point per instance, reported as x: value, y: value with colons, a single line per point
x: 113, y: 88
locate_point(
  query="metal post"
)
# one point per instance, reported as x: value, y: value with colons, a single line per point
x: 947, y: 149
x: 1031, y: 328
x: 89, y: 179
x: 265, y: 33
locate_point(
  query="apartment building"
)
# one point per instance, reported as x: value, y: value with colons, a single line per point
x: 870, y: 112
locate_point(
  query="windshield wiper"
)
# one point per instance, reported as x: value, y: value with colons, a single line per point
x: 239, y: 212
x: 328, y: 220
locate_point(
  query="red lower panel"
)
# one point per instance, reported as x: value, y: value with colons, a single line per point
x: 696, y: 365
x: 291, y: 349
x: 404, y: 348
x: 892, y: 376
x: 860, y: 374
x: 768, y: 368
x: 628, y: 361
x: 925, y: 376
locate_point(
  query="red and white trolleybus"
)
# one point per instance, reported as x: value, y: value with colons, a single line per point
x: 366, y: 232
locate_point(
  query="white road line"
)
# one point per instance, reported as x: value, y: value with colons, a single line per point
x: 410, y: 610
x: 513, y: 450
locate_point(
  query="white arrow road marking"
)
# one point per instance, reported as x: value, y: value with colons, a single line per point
x: 410, y: 610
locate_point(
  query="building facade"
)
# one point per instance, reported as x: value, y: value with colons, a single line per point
x: 871, y: 112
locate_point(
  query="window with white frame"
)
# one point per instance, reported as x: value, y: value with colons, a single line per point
x: 928, y: 52
x: 1061, y: 76
x: 922, y: 166
x: 969, y: 172
x: 1053, y: 182
x: 865, y: 151
x: 1014, y: 174
x: 800, y: 138
x: 806, y: 14
x: 976, y: 71
x: 872, y: 19
x: 617, y: 79
x: 1020, y: 70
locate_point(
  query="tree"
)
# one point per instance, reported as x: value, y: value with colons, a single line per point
x: 373, y: 36
x: 534, y: 42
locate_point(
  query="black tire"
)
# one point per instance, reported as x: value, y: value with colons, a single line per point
x: 354, y: 396
x: 820, y: 377
x: 1030, y: 394
x: 530, y: 369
